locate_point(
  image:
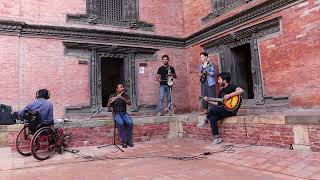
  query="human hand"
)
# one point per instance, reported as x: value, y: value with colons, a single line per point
x: 112, y: 99
x: 227, y: 96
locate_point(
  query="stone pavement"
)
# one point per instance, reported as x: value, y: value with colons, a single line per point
x: 254, y: 162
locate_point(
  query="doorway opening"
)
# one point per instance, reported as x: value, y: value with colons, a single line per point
x: 242, y: 69
x: 112, y: 72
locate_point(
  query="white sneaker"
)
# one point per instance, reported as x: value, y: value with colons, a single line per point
x: 159, y: 114
x: 217, y: 140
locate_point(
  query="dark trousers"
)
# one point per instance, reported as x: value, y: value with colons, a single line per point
x: 216, y: 113
x: 209, y: 91
x: 122, y: 120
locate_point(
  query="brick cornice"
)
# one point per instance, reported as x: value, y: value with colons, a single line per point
x: 93, y: 35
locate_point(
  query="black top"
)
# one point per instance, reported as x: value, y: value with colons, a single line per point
x: 163, y: 71
x: 227, y: 90
x: 119, y: 105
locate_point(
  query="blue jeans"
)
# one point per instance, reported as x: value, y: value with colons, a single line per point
x: 122, y: 120
x: 164, y: 89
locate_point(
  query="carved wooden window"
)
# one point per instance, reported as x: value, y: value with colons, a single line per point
x: 112, y: 10
x: 220, y: 7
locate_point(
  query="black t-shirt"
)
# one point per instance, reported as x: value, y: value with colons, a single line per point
x: 163, y: 71
x: 119, y: 105
x: 227, y: 90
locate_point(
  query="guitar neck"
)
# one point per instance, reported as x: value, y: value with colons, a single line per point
x: 215, y: 99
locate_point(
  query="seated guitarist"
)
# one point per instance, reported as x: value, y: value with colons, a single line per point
x: 165, y: 73
x: 217, y: 112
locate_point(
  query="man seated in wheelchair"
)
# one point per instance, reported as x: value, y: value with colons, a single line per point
x: 39, y: 112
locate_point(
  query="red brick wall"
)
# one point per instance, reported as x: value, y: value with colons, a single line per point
x: 194, y: 11
x: 267, y: 134
x: 260, y: 134
x: 90, y: 136
x: 167, y: 17
x: 314, y: 137
x: 9, y: 9
x: 40, y: 11
x: 44, y: 65
x: 9, y: 60
x: 289, y: 59
x: 294, y: 54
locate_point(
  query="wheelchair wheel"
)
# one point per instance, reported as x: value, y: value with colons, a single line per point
x: 43, y: 144
x: 23, y: 141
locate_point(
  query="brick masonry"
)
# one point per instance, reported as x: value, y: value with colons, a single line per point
x: 314, y: 136
x: 103, y: 134
x: 266, y: 131
x: 292, y: 53
x: 259, y: 134
x: 31, y: 63
x: 270, y: 131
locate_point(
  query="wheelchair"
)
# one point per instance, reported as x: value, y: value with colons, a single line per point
x: 39, y: 140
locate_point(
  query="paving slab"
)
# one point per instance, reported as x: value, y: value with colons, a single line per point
x: 178, y: 158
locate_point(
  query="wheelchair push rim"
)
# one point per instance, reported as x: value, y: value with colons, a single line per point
x: 44, y: 144
x: 23, y: 141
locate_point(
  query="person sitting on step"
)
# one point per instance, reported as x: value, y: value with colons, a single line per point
x: 118, y: 102
x: 219, y: 110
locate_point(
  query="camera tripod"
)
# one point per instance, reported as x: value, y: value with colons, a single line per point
x: 114, y: 137
x: 170, y: 106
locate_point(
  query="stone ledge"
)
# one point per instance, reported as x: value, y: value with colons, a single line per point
x: 78, y: 123
x: 251, y: 119
x: 303, y: 119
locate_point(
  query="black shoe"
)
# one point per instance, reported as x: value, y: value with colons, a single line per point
x: 129, y: 143
x: 124, y: 145
x: 60, y: 150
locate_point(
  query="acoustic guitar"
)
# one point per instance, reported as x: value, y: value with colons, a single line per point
x: 169, y: 77
x: 203, y: 76
x: 229, y: 104
x: 170, y: 80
